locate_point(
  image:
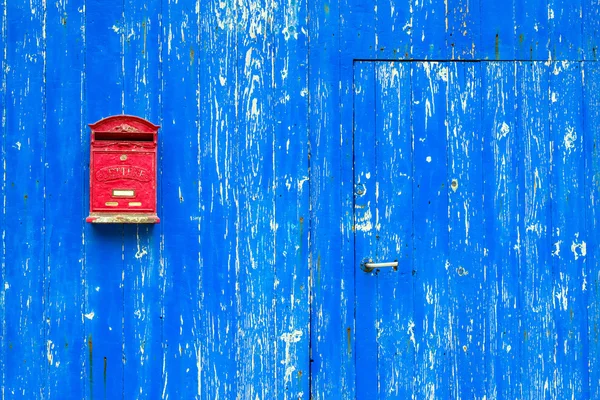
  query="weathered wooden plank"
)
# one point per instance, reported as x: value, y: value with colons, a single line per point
x: 217, y: 206
x: 591, y: 114
x: 25, y: 151
x: 358, y: 30
x: 564, y: 29
x: 65, y: 205
x: 104, y: 273
x: 590, y: 30
x: 428, y: 30
x: 532, y: 29
x: 393, y: 230
x: 503, y: 230
x: 332, y: 255
x: 180, y: 267
x: 393, y: 27
x: 254, y: 195
x: 142, y: 327
x: 290, y: 113
x: 466, y: 237
x: 365, y: 243
x: 497, y: 40
x: 463, y: 29
x: 568, y: 232
x: 430, y: 228
x: 538, y: 328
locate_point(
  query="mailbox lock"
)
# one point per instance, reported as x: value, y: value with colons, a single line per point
x: 123, y: 157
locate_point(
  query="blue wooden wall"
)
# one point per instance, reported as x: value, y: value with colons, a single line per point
x: 249, y: 287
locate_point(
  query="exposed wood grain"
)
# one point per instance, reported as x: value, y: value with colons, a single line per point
x: 290, y: 123
x: 565, y: 29
x: 393, y: 189
x: 532, y: 30
x: 25, y: 156
x: 535, y: 282
x: 365, y: 220
x: 463, y: 29
x: 254, y: 195
x: 430, y: 208
x: 104, y: 259
x: 498, y: 30
x: 142, y: 300
x: 217, y: 206
x: 569, y: 238
x: 332, y: 254
x: 65, y: 207
x: 180, y: 271
x: 504, y: 229
x: 466, y: 270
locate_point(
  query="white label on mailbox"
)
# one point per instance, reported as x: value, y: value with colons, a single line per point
x: 123, y: 193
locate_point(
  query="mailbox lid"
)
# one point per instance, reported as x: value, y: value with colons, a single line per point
x: 123, y: 180
x: 124, y: 127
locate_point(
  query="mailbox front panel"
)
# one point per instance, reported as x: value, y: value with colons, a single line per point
x: 123, y: 181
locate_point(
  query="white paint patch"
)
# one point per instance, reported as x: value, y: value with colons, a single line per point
x: 292, y: 337
x: 428, y: 159
x: 443, y: 74
x: 49, y: 347
x: 89, y: 315
x: 6, y: 286
x: 556, y: 251
x: 554, y: 97
x: 17, y: 146
x: 363, y: 223
x: 141, y: 252
x: 411, y: 332
x: 579, y: 249
x: 504, y: 129
x: 570, y: 138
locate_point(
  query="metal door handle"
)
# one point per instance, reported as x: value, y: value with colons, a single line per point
x: 370, y: 266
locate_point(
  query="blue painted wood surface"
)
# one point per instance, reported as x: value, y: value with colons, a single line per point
x: 297, y: 139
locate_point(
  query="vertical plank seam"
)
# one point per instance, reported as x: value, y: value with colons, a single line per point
x: 161, y: 257
x: 585, y: 291
x: 3, y: 149
x: 353, y: 202
x: 87, y: 388
x: 123, y: 263
x: 200, y: 278
x: 46, y: 265
x: 310, y: 249
x: 85, y: 193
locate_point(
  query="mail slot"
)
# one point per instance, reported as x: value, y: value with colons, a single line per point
x: 123, y: 171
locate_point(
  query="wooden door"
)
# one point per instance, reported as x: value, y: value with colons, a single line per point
x: 471, y: 176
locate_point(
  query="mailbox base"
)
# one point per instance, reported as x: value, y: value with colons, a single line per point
x: 117, y: 218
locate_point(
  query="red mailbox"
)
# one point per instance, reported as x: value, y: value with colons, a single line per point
x: 123, y: 171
